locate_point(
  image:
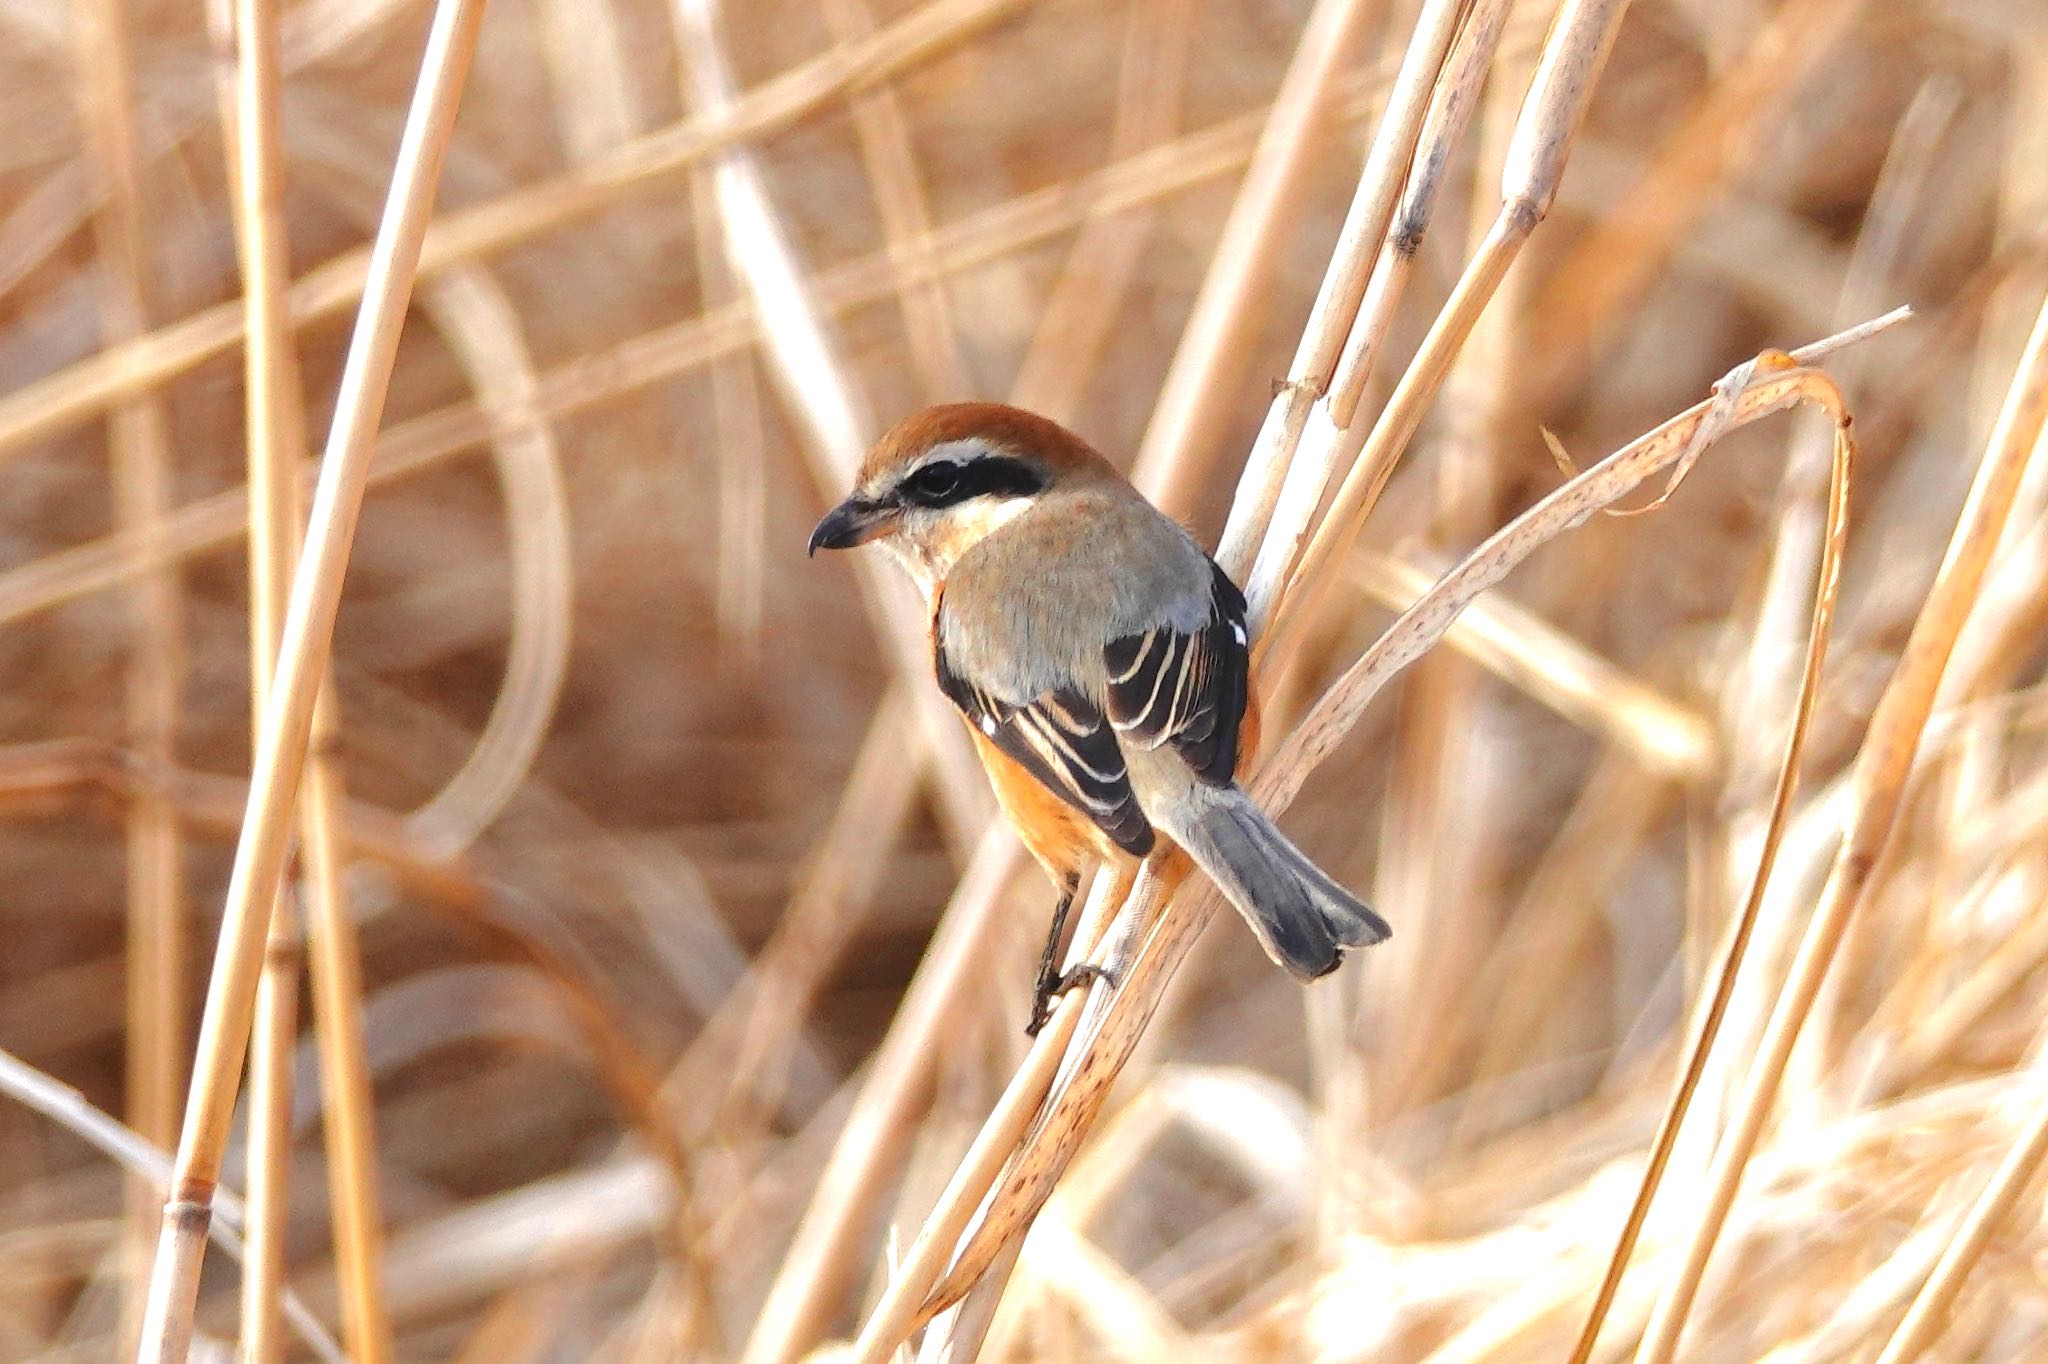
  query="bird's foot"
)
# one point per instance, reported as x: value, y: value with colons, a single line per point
x: 1051, y: 989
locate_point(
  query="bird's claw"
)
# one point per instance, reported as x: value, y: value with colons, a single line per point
x: 1049, y: 990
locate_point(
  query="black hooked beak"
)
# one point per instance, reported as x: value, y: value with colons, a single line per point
x: 853, y: 522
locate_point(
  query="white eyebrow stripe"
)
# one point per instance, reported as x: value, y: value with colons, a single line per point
x: 958, y: 451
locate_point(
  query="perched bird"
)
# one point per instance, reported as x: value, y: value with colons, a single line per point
x: 1100, y: 660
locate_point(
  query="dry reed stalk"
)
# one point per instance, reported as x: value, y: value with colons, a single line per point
x: 1883, y: 764
x: 1291, y: 568
x: 1451, y: 106
x: 287, y: 718
x: 1708, y: 1028
x: 1337, y: 298
x: 139, y: 440
x: 270, y: 1145
x: 91, y: 386
x: 1189, y: 405
x: 276, y: 438
x: 348, y: 1108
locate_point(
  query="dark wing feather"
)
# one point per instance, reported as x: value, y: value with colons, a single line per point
x: 1061, y: 739
x: 1189, y: 690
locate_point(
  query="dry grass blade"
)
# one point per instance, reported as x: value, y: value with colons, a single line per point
x: 1827, y: 593
x: 1883, y: 766
x: 1929, y: 1313
x: 287, y: 718
x: 641, y: 971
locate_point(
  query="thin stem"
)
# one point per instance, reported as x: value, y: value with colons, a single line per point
x: 1192, y: 396
x: 276, y: 425
x: 287, y: 718
x: 1883, y: 765
x: 1335, y: 309
x: 138, y: 439
x: 1708, y: 1031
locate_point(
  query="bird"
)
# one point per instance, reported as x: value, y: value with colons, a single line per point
x: 1100, y: 660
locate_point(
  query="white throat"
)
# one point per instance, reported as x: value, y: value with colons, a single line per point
x: 930, y: 547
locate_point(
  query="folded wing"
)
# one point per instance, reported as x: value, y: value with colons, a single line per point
x: 1187, y: 689
x: 1065, y: 742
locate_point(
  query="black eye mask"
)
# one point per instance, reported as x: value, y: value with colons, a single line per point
x: 947, y: 483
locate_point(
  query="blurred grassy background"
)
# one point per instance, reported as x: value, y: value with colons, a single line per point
x: 600, y: 717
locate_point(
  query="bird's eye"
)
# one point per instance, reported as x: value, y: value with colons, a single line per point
x: 935, y: 482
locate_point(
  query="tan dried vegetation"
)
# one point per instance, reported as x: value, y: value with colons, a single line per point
x: 664, y: 973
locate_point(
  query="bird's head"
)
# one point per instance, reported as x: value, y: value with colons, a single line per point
x: 940, y: 481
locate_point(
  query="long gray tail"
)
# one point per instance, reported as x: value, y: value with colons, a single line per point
x: 1303, y: 918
